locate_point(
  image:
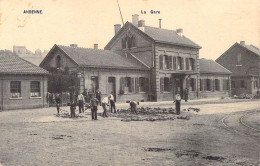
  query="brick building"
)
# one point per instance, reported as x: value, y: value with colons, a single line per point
x: 140, y: 62
x: 244, y: 63
x: 22, y: 84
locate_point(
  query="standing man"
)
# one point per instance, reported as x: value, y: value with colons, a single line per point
x: 112, y: 103
x: 98, y: 96
x: 57, y: 101
x: 94, y: 103
x: 133, y: 105
x: 81, y: 101
x: 178, y: 103
x: 105, y: 103
x: 186, y: 94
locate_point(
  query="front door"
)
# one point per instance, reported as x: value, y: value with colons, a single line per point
x: 178, y: 86
x: 112, y: 86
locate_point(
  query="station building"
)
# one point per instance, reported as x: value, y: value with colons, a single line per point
x: 141, y: 63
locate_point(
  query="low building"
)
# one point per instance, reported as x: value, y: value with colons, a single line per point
x: 244, y: 63
x: 214, y: 80
x: 22, y: 84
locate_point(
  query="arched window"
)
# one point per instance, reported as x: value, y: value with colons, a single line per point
x: 58, y: 61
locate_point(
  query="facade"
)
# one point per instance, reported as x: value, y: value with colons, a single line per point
x: 244, y: 63
x: 214, y: 79
x: 22, y: 84
x: 139, y: 63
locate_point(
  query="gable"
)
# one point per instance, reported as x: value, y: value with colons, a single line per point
x: 129, y: 30
x: 52, y: 58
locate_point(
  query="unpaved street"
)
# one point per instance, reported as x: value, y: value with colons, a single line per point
x: 39, y: 137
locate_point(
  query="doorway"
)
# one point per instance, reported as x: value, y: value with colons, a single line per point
x: 112, y: 86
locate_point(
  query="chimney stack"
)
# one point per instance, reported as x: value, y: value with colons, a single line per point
x: 95, y: 46
x: 141, y: 23
x: 117, y: 28
x: 160, y: 23
x: 135, y: 19
x: 242, y: 43
x: 73, y: 45
x: 179, y: 31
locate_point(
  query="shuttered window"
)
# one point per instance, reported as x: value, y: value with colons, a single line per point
x: 161, y: 61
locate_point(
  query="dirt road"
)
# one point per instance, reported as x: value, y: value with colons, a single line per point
x: 38, y: 137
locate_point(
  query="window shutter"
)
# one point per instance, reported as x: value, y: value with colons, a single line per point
x: 192, y: 61
x: 161, y: 84
x: 132, y: 84
x: 136, y: 85
x: 171, y: 84
x: 147, y: 84
x: 161, y: 61
x: 170, y: 62
x: 174, y: 63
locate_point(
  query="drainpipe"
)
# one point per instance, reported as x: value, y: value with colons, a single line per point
x: 2, y: 94
x: 43, y: 92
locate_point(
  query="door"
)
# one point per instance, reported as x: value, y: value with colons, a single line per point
x: 178, y: 86
x: 112, y: 86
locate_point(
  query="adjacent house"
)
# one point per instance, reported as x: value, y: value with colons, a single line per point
x: 22, y: 84
x: 244, y: 63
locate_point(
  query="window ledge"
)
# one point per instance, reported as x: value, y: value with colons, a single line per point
x: 165, y: 92
x: 238, y: 65
x: 35, y: 97
x: 19, y: 98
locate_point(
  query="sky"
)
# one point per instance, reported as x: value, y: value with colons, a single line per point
x: 213, y: 24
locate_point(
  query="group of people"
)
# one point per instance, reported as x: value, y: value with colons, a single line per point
x: 108, y: 101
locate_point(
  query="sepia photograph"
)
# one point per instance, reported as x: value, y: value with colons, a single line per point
x: 129, y: 83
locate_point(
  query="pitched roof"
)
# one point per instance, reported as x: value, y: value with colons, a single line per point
x: 168, y: 36
x: 158, y: 35
x: 251, y: 48
x: 10, y: 63
x: 102, y: 58
x: 210, y: 66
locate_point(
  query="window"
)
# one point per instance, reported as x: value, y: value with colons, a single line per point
x: 129, y: 84
x: 94, y: 84
x: 15, y: 89
x: 179, y: 63
x: 208, y: 85
x: 217, y: 82
x: 174, y: 63
x: 191, y: 64
x: 239, y: 57
x: 35, y: 89
x: 165, y: 84
x: 58, y: 61
x: 142, y: 84
x: 166, y: 62
x: 128, y: 42
x: 201, y: 84
x: 193, y: 84
x: 242, y: 84
x: 187, y: 61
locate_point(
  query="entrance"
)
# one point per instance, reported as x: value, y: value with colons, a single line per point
x: 112, y: 86
x: 177, y: 85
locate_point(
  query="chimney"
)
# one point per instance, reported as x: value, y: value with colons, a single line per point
x: 95, y: 46
x: 242, y: 43
x: 117, y: 28
x: 73, y: 45
x: 179, y: 31
x: 135, y: 19
x: 141, y: 23
x: 160, y: 23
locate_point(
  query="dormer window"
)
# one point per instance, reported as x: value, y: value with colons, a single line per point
x: 128, y: 42
x: 58, y: 62
x: 239, y: 57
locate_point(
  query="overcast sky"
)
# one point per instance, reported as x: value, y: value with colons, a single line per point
x: 213, y: 24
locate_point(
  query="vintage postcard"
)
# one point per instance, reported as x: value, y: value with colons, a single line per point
x: 120, y: 82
